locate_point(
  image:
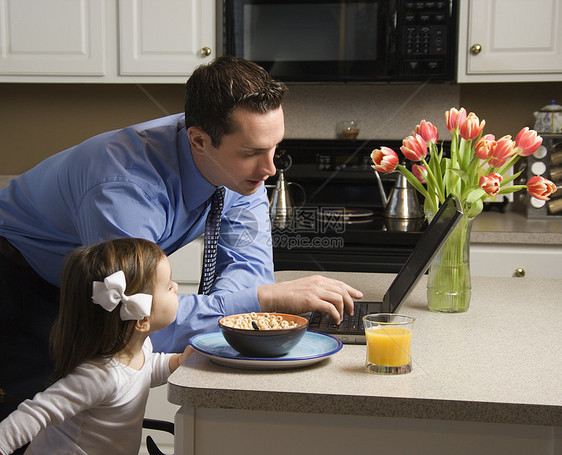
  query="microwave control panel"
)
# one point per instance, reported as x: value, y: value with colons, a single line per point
x: 424, y: 39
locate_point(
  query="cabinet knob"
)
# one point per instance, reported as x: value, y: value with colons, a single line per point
x: 206, y: 51
x: 475, y: 49
x: 519, y: 272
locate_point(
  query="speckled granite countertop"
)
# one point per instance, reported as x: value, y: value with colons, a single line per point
x: 491, y: 364
x: 516, y: 228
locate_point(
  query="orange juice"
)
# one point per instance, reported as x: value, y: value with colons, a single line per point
x: 389, y: 346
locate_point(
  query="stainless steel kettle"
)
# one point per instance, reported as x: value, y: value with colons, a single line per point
x: 402, y: 203
x: 281, y: 203
x: 281, y: 208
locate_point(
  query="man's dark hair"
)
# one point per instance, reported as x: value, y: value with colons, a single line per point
x: 213, y: 92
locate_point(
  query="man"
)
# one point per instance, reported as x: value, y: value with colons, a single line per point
x: 154, y: 181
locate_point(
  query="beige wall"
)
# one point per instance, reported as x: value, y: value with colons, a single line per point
x: 508, y: 107
x: 38, y: 120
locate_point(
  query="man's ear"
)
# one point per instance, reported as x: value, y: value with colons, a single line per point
x: 198, y: 139
x: 143, y: 325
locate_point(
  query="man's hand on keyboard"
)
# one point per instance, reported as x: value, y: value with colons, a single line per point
x: 312, y: 293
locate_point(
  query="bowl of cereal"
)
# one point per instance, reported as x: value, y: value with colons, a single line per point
x: 263, y: 334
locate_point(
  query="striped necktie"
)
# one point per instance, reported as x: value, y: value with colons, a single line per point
x: 212, y: 229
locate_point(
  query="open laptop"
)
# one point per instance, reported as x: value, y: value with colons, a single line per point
x: 351, y: 329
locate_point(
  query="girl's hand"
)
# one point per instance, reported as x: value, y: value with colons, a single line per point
x: 177, y: 359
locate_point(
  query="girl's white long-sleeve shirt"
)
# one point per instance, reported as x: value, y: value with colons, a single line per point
x: 96, y: 409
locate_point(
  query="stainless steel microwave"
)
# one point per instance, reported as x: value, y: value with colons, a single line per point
x: 345, y: 40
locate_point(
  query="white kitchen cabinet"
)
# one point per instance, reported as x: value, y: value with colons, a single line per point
x: 129, y: 41
x: 197, y: 430
x: 158, y: 407
x: 187, y: 264
x: 510, y: 41
x: 52, y: 38
x: 503, y: 260
x: 170, y: 40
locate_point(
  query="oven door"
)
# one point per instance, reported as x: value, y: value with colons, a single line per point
x: 314, y: 39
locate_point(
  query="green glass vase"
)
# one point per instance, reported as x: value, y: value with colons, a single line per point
x: 449, y: 285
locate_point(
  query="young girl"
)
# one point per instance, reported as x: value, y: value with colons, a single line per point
x: 113, y: 296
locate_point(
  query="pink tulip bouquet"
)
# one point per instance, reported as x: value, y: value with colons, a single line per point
x: 475, y: 169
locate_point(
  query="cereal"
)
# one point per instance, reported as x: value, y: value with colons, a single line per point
x: 264, y: 321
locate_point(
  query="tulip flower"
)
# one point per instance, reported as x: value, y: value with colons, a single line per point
x: 420, y: 172
x: 540, y: 188
x: 484, y: 146
x: 454, y: 117
x: 527, y: 142
x: 414, y: 148
x: 502, y: 151
x: 458, y: 167
x: 491, y: 183
x: 385, y: 159
x: 428, y: 131
x: 471, y: 127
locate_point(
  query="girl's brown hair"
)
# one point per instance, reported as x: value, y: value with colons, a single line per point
x: 83, y: 330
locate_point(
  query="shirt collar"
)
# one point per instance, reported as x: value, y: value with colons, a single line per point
x: 196, y: 189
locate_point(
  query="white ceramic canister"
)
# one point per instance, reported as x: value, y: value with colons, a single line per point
x: 549, y: 119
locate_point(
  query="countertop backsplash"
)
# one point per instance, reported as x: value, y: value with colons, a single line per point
x: 312, y: 111
x: 384, y: 111
x: 71, y: 113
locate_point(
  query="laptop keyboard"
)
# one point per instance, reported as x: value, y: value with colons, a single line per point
x: 324, y: 322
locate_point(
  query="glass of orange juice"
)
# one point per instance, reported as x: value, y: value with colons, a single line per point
x: 389, y: 338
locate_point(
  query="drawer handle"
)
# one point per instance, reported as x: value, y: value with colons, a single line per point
x: 519, y: 272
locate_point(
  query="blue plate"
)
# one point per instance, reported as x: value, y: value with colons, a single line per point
x: 313, y: 348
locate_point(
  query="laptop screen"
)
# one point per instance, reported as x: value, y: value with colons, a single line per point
x: 427, y: 247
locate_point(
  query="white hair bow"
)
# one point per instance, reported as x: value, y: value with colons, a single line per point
x: 111, y: 291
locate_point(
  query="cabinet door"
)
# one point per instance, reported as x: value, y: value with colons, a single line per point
x: 165, y: 37
x: 58, y: 37
x: 519, y: 40
x: 531, y: 261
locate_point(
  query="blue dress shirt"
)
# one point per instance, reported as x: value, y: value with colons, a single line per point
x: 140, y: 181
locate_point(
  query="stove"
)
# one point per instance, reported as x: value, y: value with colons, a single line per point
x: 337, y: 222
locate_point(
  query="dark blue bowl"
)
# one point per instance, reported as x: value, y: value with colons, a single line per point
x: 264, y: 343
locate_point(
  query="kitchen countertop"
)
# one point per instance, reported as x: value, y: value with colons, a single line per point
x: 513, y: 227
x: 499, y: 362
